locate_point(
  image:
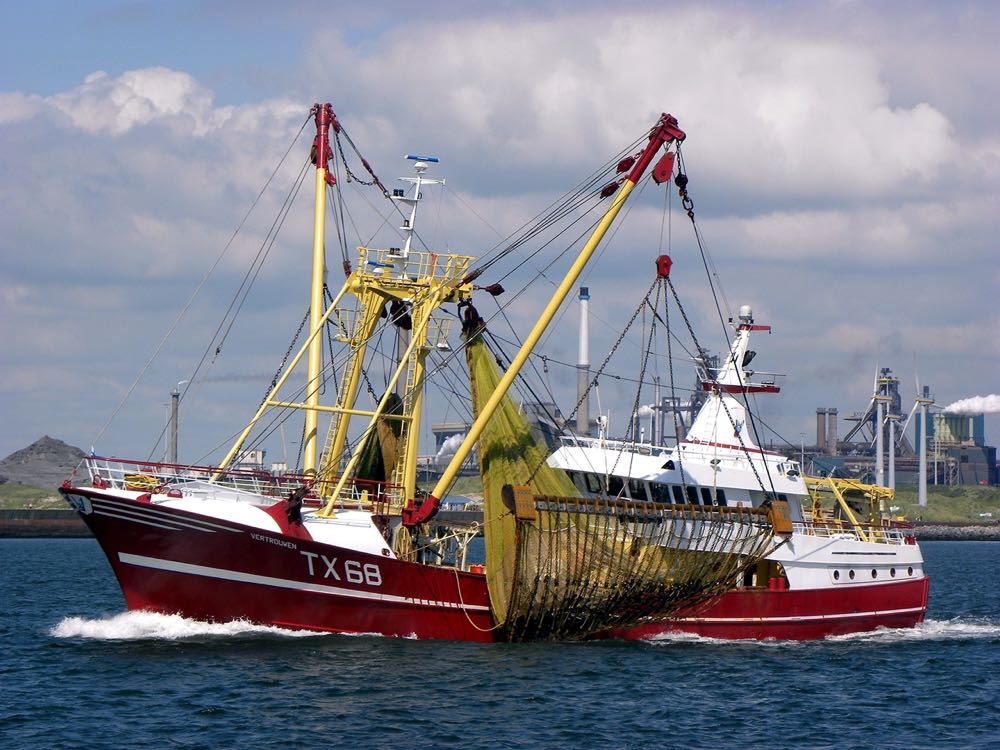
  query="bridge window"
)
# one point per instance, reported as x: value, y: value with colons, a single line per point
x: 720, y: 496
x: 706, y: 495
x: 637, y: 489
x: 660, y: 492
x: 692, y: 493
x: 678, y: 494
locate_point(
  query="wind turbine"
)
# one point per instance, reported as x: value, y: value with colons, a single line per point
x: 925, y: 400
x: 879, y: 398
x: 891, y: 420
x: 922, y: 401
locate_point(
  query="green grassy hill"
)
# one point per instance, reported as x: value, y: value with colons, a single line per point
x: 964, y: 503
x: 13, y: 495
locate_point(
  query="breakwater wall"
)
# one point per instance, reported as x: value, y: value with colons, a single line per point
x: 66, y: 523
x: 27, y: 522
x: 956, y: 531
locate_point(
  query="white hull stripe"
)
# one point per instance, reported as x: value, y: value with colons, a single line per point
x: 798, y: 618
x: 166, y: 516
x: 136, y: 519
x: 284, y: 583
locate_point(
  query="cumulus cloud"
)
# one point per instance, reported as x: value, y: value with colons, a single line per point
x: 768, y: 109
x: 15, y: 106
x: 115, y: 105
x: 855, y: 213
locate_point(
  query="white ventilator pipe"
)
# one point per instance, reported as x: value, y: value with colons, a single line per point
x: 583, y: 366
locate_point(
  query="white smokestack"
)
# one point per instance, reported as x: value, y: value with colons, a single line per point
x: 975, y: 405
x: 583, y: 366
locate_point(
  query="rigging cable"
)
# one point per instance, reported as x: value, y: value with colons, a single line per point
x: 196, y: 292
x: 681, y: 181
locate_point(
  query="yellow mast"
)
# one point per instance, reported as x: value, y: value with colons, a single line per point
x: 415, y: 285
x: 421, y: 281
x: 371, y: 306
x: 322, y: 149
x: 665, y: 131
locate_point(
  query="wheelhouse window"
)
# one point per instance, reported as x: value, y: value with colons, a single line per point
x: 637, y: 489
x: 660, y: 492
x: 594, y: 484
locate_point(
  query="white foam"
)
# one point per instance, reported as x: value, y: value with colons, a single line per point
x: 957, y: 629
x: 930, y: 630
x: 138, y: 625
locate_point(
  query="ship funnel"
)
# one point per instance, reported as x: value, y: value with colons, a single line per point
x: 583, y: 366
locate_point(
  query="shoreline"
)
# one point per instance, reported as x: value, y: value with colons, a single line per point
x: 18, y: 523
x: 956, y: 531
x: 38, y: 523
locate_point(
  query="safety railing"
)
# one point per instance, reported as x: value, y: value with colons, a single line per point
x: 210, y: 481
x: 866, y: 533
x: 389, y: 262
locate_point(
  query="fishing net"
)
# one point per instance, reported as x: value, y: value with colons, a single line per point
x: 560, y: 566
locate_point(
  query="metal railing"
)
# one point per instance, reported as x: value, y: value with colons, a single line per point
x: 836, y: 529
x: 415, y: 265
x: 234, y: 484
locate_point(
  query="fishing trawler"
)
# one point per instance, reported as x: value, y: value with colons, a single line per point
x: 844, y: 564
x: 349, y: 542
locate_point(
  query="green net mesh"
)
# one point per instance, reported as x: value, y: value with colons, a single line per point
x: 562, y: 566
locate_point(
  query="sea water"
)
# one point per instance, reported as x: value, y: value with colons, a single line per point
x: 77, y: 671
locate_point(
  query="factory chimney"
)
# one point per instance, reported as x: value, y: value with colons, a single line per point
x: 831, y: 431
x: 583, y: 367
x: 821, y: 429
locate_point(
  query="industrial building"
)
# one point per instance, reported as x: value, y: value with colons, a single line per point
x: 956, y: 448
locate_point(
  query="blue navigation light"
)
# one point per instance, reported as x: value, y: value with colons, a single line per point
x: 414, y: 157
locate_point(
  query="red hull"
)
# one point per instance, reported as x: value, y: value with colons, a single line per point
x: 170, y: 561
x: 798, y: 615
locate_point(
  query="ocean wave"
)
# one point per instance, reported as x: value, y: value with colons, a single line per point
x: 138, y: 625
x: 959, y: 628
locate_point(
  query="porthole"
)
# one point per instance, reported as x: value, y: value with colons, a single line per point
x: 874, y: 573
x: 851, y: 575
x: 909, y: 571
x: 836, y: 575
x: 892, y: 572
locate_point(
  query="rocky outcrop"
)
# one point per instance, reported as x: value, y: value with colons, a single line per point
x: 44, y: 463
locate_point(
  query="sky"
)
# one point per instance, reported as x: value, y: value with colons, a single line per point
x: 844, y: 159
